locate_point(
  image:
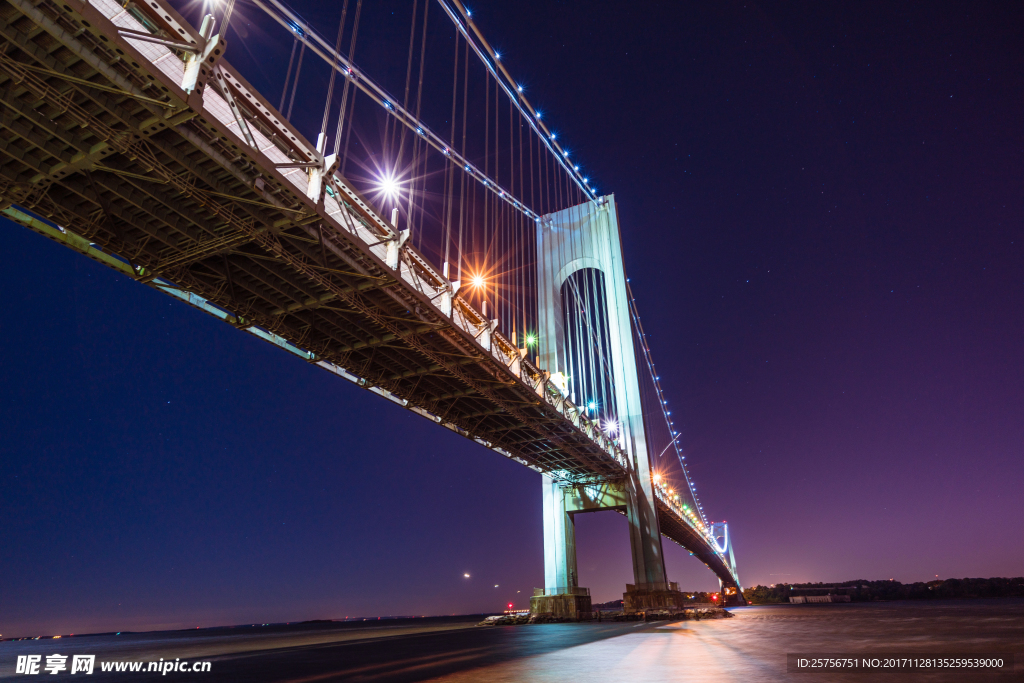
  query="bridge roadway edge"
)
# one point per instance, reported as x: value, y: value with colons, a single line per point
x: 566, y: 439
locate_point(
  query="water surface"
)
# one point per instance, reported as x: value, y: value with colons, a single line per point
x: 750, y: 647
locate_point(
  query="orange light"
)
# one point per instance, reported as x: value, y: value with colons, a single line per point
x: 477, y: 281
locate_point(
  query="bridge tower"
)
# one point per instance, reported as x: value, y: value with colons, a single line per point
x: 586, y: 342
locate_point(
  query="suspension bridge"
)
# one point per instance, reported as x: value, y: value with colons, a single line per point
x: 467, y: 271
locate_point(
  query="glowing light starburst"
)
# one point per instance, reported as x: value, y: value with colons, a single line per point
x: 388, y: 185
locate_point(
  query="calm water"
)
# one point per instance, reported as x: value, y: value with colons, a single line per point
x: 751, y: 647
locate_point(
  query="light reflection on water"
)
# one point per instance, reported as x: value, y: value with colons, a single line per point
x: 752, y: 646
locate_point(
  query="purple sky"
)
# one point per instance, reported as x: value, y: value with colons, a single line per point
x: 822, y: 220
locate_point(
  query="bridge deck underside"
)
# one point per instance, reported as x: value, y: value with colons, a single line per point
x: 156, y: 179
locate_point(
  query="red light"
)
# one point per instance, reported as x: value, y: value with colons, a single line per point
x: 510, y: 605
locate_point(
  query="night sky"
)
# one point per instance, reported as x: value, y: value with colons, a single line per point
x: 821, y: 207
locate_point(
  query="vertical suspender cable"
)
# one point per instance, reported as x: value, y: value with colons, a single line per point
x: 334, y: 73
x: 521, y: 242
x: 224, y: 20
x: 344, y: 95
x: 532, y: 226
x: 495, y: 204
x: 545, y: 185
x: 549, y: 183
x: 595, y: 366
x: 472, y: 224
x: 418, y: 178
x: 348, y: 130
x: 556, y: 199
x: 463, y: 201
x: 449, y: 172
x: 408, y: 80
x: 288, y: 74
x: 295, y: 83
x: 568, y: 191
x: 533, y: 200
x: 487, y: 155
x: 556, y: 177
x: 509, y: 293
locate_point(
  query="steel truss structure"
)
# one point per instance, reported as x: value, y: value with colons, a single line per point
x: 128, y: 138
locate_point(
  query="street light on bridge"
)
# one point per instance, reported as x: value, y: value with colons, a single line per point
x: 389, y: 186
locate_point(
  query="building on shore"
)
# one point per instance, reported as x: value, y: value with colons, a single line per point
x: 804, y: 599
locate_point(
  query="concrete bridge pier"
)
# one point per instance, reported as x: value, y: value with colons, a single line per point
x: 562, y: 595
x: 731, y: 595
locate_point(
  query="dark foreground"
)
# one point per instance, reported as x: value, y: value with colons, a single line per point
x: 750, y: 647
